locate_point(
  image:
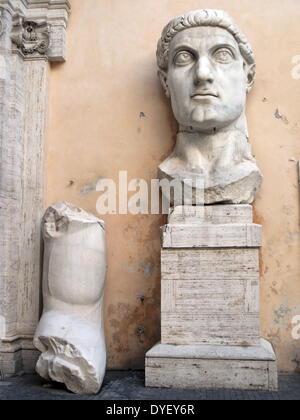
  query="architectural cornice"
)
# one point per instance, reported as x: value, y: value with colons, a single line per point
x: 16, y: 5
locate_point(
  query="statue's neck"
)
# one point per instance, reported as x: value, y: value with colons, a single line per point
x: 219, y: 149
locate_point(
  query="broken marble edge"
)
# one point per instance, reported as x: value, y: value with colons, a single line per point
x: 72, y: 213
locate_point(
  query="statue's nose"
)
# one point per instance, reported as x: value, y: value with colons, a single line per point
x: 203, y: 71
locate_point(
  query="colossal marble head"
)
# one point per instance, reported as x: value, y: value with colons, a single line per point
x: 206, y: 67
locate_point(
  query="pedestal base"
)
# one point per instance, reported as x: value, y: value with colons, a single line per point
x: 212, y: 367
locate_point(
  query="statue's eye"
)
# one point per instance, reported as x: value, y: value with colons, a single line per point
x: 183, y: 58
x: 223, y: 56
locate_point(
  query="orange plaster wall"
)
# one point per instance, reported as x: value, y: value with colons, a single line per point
x: 95, y: 129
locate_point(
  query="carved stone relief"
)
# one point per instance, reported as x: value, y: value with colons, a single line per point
x: 30, y: 37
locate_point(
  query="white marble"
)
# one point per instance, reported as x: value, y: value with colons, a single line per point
x: 70, y: 334
x: 207, y: 68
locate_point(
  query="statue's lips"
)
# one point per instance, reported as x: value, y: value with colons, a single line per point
x: 207, y: 95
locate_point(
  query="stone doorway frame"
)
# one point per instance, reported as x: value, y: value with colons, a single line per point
x: 32, y: 36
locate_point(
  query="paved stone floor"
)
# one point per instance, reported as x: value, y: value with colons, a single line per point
x: 122, y: 386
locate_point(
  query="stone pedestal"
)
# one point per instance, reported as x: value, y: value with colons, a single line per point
x: 210, y: 324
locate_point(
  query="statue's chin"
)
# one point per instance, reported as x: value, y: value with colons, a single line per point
x: 208, y: 125
x: 208, y: 119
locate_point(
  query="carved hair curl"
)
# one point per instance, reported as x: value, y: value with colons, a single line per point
x: 205, y: 17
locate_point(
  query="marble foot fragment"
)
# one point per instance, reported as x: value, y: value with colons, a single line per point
x: 70, y: 334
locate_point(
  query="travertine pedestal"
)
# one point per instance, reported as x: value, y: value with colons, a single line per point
x: 210, y: 326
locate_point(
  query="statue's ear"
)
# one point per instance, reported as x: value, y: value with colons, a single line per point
x: 250, y: 73
x: 163, y: 80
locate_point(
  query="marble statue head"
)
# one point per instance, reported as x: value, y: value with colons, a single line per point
x: 206, y: 67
